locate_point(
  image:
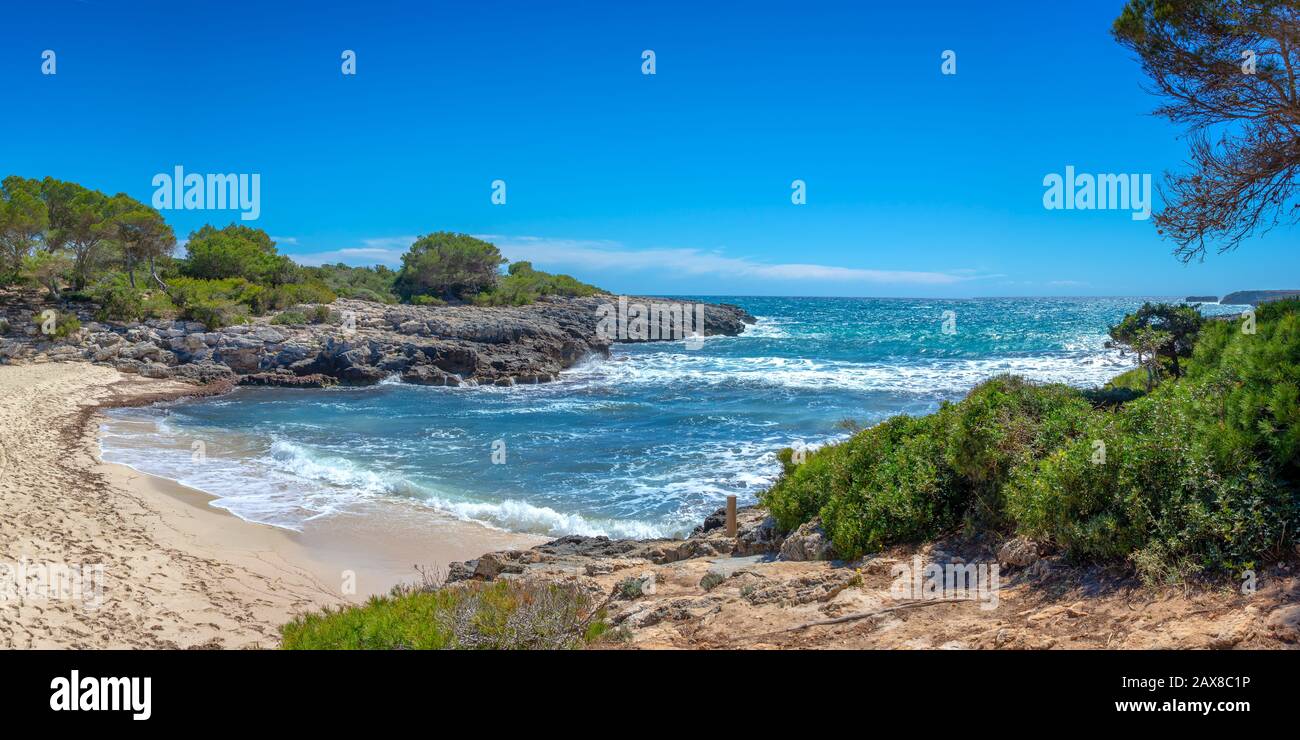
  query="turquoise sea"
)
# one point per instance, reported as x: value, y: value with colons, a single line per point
x: 645, y: 443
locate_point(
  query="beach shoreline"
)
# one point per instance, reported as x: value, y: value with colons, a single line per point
x: 177, y: 572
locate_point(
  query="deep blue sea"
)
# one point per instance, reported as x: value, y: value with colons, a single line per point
x: 645, y: 443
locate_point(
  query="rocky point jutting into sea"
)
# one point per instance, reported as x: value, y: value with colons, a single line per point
x: 362, y: 342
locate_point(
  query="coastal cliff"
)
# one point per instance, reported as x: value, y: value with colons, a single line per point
x: 1256, y: 297
x: 355, y: 342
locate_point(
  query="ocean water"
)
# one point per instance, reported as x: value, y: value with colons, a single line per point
x: 643, y: 444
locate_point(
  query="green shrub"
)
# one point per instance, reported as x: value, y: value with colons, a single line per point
x: 363, y: 283
x: 892, y: 484
x: 1000, y: 424
x: 1175, y: 500
x: 65, y: 324
x: 449, y: 266
x: 712, y: 580
x: 1200, y: 475
x: 524, y: 285
x: 630, y: 588
x: 907, y: 479
x: 320, y: 315
x: 217, y: 303
x: 292, y: 294
x: 236, y: 251
x: 501, y: 615
x: 289, y: 317
x: 118, y: 301
x: 427, y: 300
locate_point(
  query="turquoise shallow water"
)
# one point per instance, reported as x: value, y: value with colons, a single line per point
x: 643, y: 444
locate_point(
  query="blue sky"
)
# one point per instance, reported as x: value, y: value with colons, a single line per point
x: 918, y: 183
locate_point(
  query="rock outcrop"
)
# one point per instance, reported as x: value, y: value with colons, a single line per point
x: 363, y: 342
x: 755, y: 535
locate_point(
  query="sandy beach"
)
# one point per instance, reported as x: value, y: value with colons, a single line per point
x: 177, y: 572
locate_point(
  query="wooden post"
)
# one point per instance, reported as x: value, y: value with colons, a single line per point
x: 731, y: 516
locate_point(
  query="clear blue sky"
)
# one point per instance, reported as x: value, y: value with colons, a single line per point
x: 919, y: 184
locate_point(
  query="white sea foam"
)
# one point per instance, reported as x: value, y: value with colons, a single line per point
x: 942, y: 376
x: 290, y: 485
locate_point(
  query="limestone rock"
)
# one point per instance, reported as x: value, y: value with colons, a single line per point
x: 808, y: 542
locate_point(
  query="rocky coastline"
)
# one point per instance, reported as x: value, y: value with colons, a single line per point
x: 360, y: 342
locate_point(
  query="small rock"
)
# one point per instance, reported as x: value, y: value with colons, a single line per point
x: 1284, y: 622
x: 1018, y: 553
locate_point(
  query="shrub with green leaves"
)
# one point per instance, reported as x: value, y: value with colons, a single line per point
x: 118, y: 301
x: 65, y: 324
x: 523, y: 285
x: 236, y: 251
x: 363, y: 283
x: 501, y: 615
x: 448, y: 266
x: 911, y: 478
x: 1200, y: 475
x: 216, y: 303
x: 289, y: 318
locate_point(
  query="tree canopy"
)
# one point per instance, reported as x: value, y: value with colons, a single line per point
x: 1159, y: 331
x: 448, y: 266
x: 1227, y: 70
x: 23, y: 222
x: 236, y: 251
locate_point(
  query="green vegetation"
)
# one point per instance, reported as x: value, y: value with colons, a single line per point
x: 363, y: 283
x: 501, y: 615
x: 449, y: 266
x: 523, y: 285
x: 1198, y: 475
x: 118, y: 252
x: 237, y: 252
x: 1160, y: 334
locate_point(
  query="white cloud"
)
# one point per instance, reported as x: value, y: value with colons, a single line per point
x: 611, y: 256
x: 608, y: 255
x: 386, y: 250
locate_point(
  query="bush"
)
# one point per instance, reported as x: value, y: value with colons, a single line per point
x: 289, y: 317
x: 524, y: 285
x: 1165, y: 494
x: 363, y: 283
x: 891, y: 485
x: 448, y: 266
x: 501, y: 615
x: 236, y: 252
x: 1199, y: 475
x: 65, y: 324
x: 118, y: 301
x: 908, y: 478
x: 1001, y: 424
x: 216, y: 303
x: 292, y: 294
